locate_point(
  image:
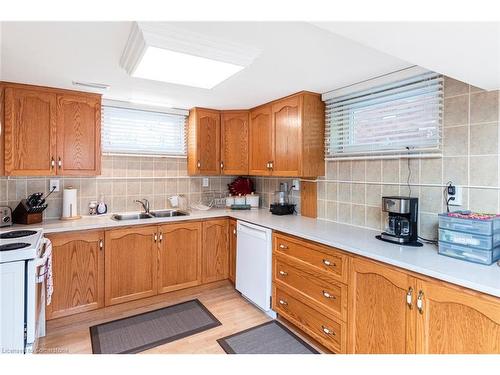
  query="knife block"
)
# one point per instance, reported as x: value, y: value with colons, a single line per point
x: 23, y: 214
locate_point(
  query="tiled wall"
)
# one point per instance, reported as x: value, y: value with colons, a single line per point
x: 267, y: 186
x: 351, y: 191
x: 123, y: 180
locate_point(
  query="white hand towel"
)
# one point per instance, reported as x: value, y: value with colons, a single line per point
x: 45, y: 271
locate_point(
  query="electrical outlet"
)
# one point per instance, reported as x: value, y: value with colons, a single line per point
x: 54, y: 184
x: 456, y: 197
x: 205, y: 182
x: 296, y: 184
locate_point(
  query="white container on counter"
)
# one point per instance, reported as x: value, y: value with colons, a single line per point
x: 229, y: 201
x: 253, y: 200
x: 240, y: 200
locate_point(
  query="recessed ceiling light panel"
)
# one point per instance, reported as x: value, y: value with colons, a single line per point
x: 161, y: 52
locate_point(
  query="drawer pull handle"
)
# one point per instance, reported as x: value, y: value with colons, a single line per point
x: 283, y: 246
x: 326, y: 262
x: 283, y: 302
x: 283, y: 273
x: 327, y: 331
x: 328, y: 295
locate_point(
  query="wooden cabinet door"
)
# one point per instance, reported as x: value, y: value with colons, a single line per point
x: 453, y: 320
x: 208, y: 142
x: 286, y: 120
x: 234, y: 145
x: 260, y: 141
x: 179, y: 256
x: 232, y: 250
x: 78, y: 135
x: 78, y: 273
x: 215, y: 252
x: 130, y: 264
x: 380, y: 320
x: 30, y: 132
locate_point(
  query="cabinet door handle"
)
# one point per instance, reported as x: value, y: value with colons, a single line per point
x: 155, y: 237
x: 101, y: 244
x: 328, y: 295
x: 420, y: 302
x: 198, y: 164
x: 221, y: 165
x: 271, y: 163
x: 283, y: 302
x: 283, y: 273
x: 284, y: 247
x: 161, y: 237
x: 409, y: 298
x: 267, y: 165
x: 326, y: 262
x: 52, y: 163
x: 59, y: 163
x: 234, y: 232
x: 327, y: 331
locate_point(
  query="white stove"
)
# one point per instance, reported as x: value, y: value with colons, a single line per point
x: 22, y: 295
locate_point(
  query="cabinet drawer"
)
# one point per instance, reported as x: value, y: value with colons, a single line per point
x: 329, y: 332
x: 320, y: 257
x: 327, y: 295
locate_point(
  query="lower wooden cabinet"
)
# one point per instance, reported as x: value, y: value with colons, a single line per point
x: 454, y: 320
x: 380, y: 319
x: 78, y: 273
x: 131, y: 264
x: 215, y: 251
x: 179, y: 256
x: 232, y: 250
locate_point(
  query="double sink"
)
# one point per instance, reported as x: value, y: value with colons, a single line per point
x: 150, y: 215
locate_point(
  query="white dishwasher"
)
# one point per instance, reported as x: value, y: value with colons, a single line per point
x: 254, y: 265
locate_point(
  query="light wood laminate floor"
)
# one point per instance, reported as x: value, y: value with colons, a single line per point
x: 71, y: 334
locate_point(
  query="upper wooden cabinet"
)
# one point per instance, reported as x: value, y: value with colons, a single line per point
x: 281, y: 138
x: 50, y: 131
x: 78, y: 135
x: 260, y: 141
x: 203, y: 142
x: 234, y: 143
x: 78, y: 273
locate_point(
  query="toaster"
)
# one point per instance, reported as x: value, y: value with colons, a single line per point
x: 5, y: 216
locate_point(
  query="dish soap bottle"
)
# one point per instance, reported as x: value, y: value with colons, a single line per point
x: 102, y: 208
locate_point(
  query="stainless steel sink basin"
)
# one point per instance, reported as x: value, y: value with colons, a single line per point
x: 168, y: 213
x: 137, y: 216
x: 152, y: 214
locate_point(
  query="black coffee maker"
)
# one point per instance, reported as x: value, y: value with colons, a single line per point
x: 402, y: 220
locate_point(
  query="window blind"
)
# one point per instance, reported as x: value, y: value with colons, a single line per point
x: 395, y: 118
x: 133, y: 131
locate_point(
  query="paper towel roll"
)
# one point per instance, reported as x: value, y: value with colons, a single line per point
x: 70, y: 205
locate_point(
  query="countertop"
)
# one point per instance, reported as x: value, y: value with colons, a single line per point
x: 423, y: 260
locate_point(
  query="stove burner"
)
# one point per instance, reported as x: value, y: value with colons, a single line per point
x: 14, y: 246
x: 17, y: 234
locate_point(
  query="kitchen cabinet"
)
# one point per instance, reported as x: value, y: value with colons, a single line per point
x: 453, y: 320
x: 380, y: 319
x: 179, y: 256
x: 131, y: 264
x: 51, y: 131
x: 203, y: 142
x: 234, y: 143
x: 215, y: 251
x: 29, y: 132
x: 260, y: 141
x: 78, y: 135
x: 78, y: 273
x: 232, y: 249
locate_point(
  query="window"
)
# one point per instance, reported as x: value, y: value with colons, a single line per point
x: 133, y: 131
x: 401, y: 117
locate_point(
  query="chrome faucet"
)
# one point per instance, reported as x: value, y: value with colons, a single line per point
x: 145, y: 204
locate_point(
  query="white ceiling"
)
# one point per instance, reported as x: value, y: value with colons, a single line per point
x: 295, y: 56
x: 467, y: 51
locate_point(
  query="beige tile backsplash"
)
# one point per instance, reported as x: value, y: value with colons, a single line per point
x: 470, y: 159
x: 123, y: 180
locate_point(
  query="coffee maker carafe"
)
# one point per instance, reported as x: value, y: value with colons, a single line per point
x: 402, y: 220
